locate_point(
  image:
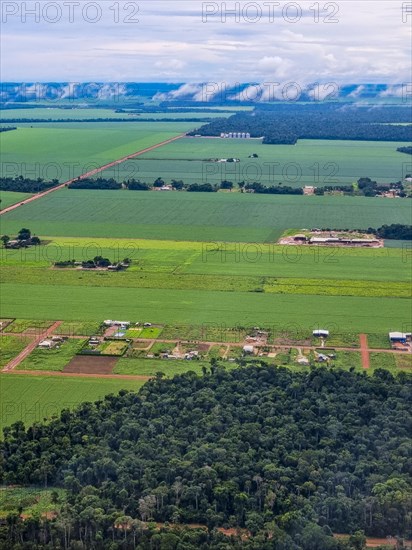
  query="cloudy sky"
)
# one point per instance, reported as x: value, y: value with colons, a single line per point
x: 191, y: 41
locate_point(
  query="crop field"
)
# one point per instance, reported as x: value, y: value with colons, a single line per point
x: 54, y: 113
x: 29, y: 501
x: 36, y: 397
x: 10, y: 346
x: 7, y: 198
x: 149, y: 367
x: 65, y: 150
x: 193, y: 283
x: 347, y: 313
x: 309, y: 162
x: 52, y: 359
x: 230, y: 217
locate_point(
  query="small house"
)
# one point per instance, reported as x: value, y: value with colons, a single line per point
x: 320, y: 333
x: 46, y: 344
x: 247, y: 350
x: 398, y: 337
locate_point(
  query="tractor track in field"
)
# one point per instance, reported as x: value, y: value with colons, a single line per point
x: 89, y: 174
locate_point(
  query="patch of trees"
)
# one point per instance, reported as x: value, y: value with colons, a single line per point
x: 201, y: 188
x: 407, y: 150
x: 280, y: 189
x: 290, y: 456
x: 366, y: 187
x: 26, y: 185
x: 7, y: 128
x: 23, y: 239
x: 98, y: 183
x: 397, y: 231
x: 286, y: 124
x: 136, y: 185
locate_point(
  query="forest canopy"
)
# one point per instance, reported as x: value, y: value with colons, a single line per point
x: 285, y: 124
x: 289, y: 456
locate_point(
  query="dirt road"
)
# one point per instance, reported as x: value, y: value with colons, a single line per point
x: 89, y: 174
x: 28, y: 349
x: 363, y: 338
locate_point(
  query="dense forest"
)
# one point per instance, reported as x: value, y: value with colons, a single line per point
x: 289, y: 456
x: 285, y: 124
x: 26, y: 185
x: 407, y: 150
x: 395, y: 231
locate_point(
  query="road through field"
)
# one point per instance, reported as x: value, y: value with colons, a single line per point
x: 89, y: 174
x: 363, y: 338
x: 28, y: 349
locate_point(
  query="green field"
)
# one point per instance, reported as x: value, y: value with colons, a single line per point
x: 149, y: 367
x: 65, y: 150
x: 8, y: 198
x: 345, y: 313
x: 197, y: 216
x: 34, y: 398
x: 77, y: 113
x: 309, y: 162
x: 10, y: 346
x: 52, y: 359
x: 29, y: 501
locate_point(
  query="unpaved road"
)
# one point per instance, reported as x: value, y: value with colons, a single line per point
x: 363, y: 338
x: 28, y: 349
x: 89, y: 174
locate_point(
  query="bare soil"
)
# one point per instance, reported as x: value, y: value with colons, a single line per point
x: 89, y: 364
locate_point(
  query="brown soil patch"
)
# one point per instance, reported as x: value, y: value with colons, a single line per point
x: 203, y: 347
x: 363, y: 338
x: 89, y: 364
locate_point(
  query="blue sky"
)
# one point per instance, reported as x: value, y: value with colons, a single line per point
x: 191, y: 41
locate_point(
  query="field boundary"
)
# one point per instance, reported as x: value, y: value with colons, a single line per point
x: 11, y: 365
x: 89, y: 174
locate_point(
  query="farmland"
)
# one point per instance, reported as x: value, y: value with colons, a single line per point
x: 51, y: 359
x: 55, y: 113
x: 198, y: 306
x: 8, y: 198
x: 309, y: 162
x: 65, y: 150
x: 227, y: 217
x: 34, y: 398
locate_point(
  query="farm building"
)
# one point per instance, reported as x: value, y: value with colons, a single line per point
x: 300, y: 237
x: 321, y: 333
x: 47, y: 344
x: 248, y: 349
x: 402, y: 337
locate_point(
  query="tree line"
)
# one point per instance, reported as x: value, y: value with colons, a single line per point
x: 289, y: 456
x: 407, y: 150
x: 26, y: 185
x: 7, y: 128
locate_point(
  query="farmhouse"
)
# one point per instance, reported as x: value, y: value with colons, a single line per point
x: 401, y: 337
x: 247, y: 350
x: 320, y: 333
x: 47, y: 344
